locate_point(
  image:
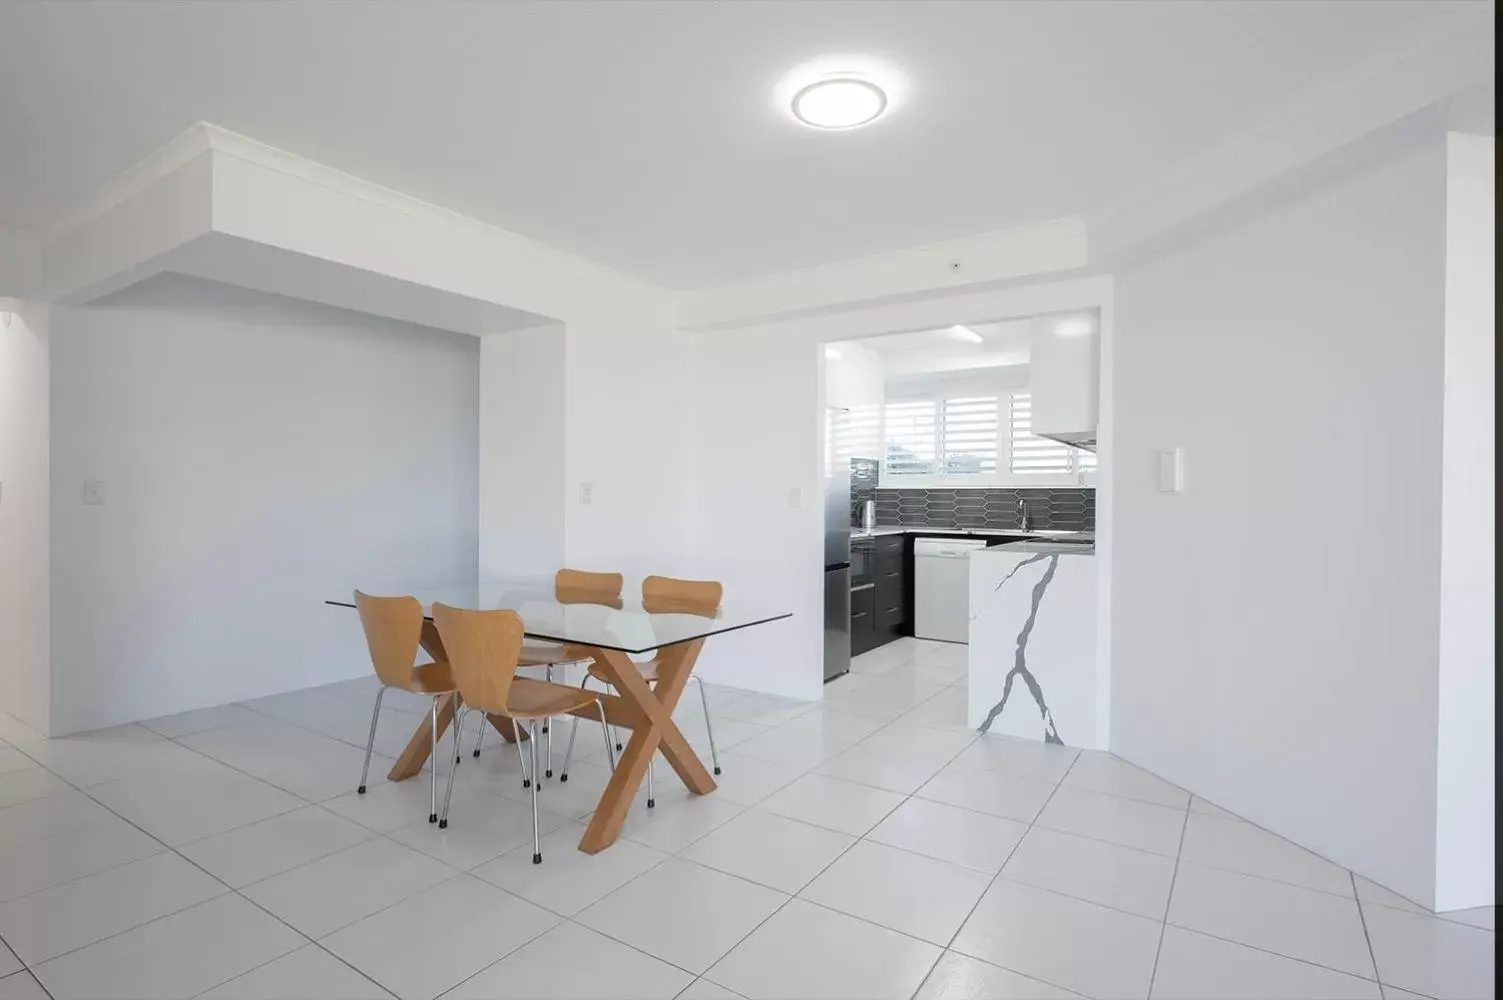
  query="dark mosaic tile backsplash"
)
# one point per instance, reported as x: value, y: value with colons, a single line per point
x: 1059, y: 508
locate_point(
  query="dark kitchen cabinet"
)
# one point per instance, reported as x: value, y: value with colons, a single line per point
x: 891, y: 577
x: 863, y: 619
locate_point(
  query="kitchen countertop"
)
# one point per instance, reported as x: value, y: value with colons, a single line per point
x: 881, y: 530
x: 1042, y: 546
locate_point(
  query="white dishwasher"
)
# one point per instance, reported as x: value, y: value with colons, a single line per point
x: 941, y: 587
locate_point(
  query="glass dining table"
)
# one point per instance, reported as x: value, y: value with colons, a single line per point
x: 610, y: 634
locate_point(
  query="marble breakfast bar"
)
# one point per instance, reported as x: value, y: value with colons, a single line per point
x: 1033, y: 668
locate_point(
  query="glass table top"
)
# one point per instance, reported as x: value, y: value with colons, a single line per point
x: 629, y: 628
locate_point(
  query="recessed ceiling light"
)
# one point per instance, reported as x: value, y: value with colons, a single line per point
x: 839, y: 101
x: 965, y: 333
x: 1075, y: 326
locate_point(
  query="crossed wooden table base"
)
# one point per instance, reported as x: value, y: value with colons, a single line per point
x: 645, y: 709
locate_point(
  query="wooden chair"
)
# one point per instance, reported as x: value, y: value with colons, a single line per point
x: 663, y: 595
x: 570, y: 586
x: 483, y: 647
x: 393, y: 632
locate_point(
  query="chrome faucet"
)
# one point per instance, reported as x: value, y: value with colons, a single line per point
x: 1023, y: 515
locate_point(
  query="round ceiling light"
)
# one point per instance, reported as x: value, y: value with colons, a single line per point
x: 839, y: 102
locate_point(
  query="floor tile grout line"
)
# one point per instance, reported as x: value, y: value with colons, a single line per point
x: 1265, y: 878
x: 230, y: 890
x: 793, y: 896
x: 25, y: 970
x: 1423, y: 913
x: 167, y: 849
x: 1372, y: 955
x: 570, y: 919
x: 1168, y: 901
x: 564, y: 918
x: 950, y: 946
x: 1269, y: 951
x: 885, y: 725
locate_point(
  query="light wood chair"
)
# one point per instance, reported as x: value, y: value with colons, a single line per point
x: 483, y: 648
x: 664, y: 595
x: 570, y: 586
x: 393, y: 632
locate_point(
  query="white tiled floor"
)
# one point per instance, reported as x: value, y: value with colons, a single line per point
x: 866, y: 846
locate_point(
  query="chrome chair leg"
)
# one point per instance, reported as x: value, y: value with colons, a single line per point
x: 516, y: 730
x: 433, y: 762
x: 652, y: 799
x: 478, y: 737
x: 548, y: 728
x: 370, y: 742
x: 704, y: 700
x: 563, y: 775
x: 569, y: 750
x: 537, y: 846
x: 459, y: 714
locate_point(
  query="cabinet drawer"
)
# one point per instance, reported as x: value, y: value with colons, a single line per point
x: 890, y: 544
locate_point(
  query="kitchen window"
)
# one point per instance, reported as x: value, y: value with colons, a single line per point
x: 910, y: 437
x: 1034, y: 456
x: 963, y: 437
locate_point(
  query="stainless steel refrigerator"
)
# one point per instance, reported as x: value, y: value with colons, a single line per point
x: 837, y: 552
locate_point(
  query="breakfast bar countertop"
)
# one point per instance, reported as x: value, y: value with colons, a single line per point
x: 915, y: 529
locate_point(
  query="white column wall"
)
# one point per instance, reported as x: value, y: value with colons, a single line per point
x: 523, y: 387
x: 758, y: 449
x: 1465, y: 805
x: 627, y: 431
x: 1275, y: 628
x: 25, y: 672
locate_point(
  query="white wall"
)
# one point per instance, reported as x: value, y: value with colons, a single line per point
x: 854, y: 376
x: 522, y: 407
x: 1275, y: 627
x: 759, y: 439
x: 628, y: 423
x: 24, y: 673
x: 1468, y: 691
x: 855, y: 385
x: 259, y: 456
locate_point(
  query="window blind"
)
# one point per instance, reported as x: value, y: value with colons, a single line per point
x: 861, y: 432
x: 910, y: 429
x: 1030, y: 454
x: 968, y: 436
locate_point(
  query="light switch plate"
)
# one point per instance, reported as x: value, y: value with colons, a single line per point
x: 796, y: 498
x: 1172, y: 471
x: 93, y: 491
x: 587, y: 493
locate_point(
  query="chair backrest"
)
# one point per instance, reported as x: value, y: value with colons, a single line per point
x: 483, y: 647
x: 393, y: 628
x: 576, y: 586
x: 664, y: 593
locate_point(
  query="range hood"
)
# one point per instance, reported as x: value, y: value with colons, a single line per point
x: 1064, y: 378
x: 1084, y: 440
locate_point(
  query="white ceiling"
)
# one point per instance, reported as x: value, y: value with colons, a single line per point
x: 1002, y: 343
x: 644, y: 135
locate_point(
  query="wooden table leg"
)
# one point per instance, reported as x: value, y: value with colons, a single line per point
x: 657, y: 730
